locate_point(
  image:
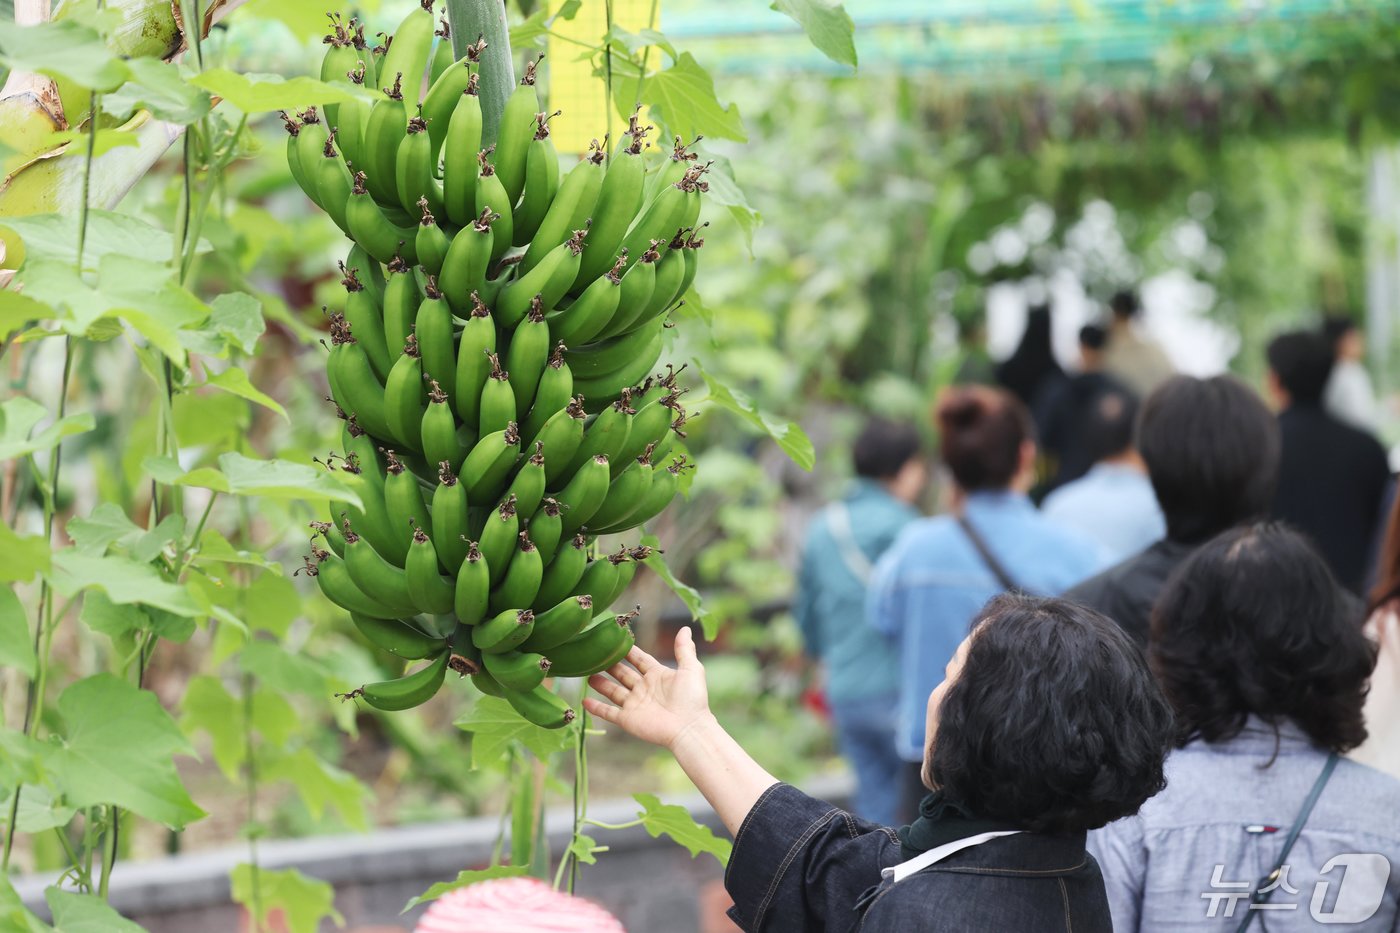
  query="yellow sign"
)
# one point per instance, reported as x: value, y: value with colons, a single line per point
x: 573, y: 87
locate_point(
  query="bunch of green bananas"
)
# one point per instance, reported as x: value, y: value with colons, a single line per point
x: 491, y: 365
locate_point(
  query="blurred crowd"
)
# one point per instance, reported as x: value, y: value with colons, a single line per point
x: 1246, y: 541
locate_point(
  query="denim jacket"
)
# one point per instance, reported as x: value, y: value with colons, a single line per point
x: 803, y: 866
x: 1193, y: 853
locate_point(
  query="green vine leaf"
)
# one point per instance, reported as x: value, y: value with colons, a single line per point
x: 156, y: 86
x: 494, y: 725
x: 17, y: 310
x: 40, y: 810
x: 21, y: 760
x: 208, y: 706
x: 55, y: 237
x: 319, y: 784
x: 19, y: 415
x: 469, y: 877
x: 118, y: 747
x: 116, y: 620
x: 235, y: 382
x: 16, y: 650
x: 681, y: 96
x: 260, y: 93
x: 122, y: 579
x: 584, y: 849
x: 14, y: 915
x: 25, y: 556
x: 63, y: 49
x: 235, y: 323
x: 788, y: 435
x: 828, y: 25
x: 303, y: 902
x: 725, y: 192
x: 244, y: 476
x: 85, y: 913
x: 687, y: 594
x: 667, y: 818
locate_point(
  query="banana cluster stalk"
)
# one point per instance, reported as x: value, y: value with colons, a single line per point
x: 494, y: 364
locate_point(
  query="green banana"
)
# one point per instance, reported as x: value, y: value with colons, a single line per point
x: 340, y: 58
x: 602, y: 389
x: 474, y: 349
x: 596, y: 648
x: 466, y: 657
x: 526, y: 357
x: 444, y: 98
x: 547, y: 282
x: 583, y: 494
x: 692, y: 261
x: 388, y: 120
x: 352, y: 117
x: 491, y: 197
x: 625, y: 572
x: 541, y: 706
x: 430, y: 591
x: 638, y: 286
x: 664, y: 486
x: 599, y: 360
x: 300, y: 173
x: 353, y: 382
x: 408, y: 53
x: 473, y: 590
x: 380, y: 580
x: 460, y: 146
x: 668, y: 212
x: 591, y: 311
x: 397, y: 637
x: 441, y: 59
x: 369, y: 273
x: 515, y: 132
x: 561, y: 436
x: 487, y: 684
x: 606, y: 435
x: 522, y: 578
x: 670, y: 273
x: 541, y: 183
x: 333, y: 183
x: 335, y: 582
x: 431, y: 242
x: 528, y: 485
x: 497, y: 399
x: 362, y: 315
x: 464, y: 267
x: 499, y: 539
x: 517, y: 670
x: 599, y: 578
x: 408, y: 691
x: 449, y: 512
x: 563, y: 573
x: 333, y: 539
x: 490, y: 462
x: 546, y: 527
x: 618, y: 200
x: 373, y: 519
x: 405, y: 398
x: 673, y: 169
x: 649, y: 426
x: 571, y: 208
x: 381, y: 238
x: 433, y: 328
x: 401, y: 301
x: 440, y: 432
x: 558, y: 624
x: 413, y: 169
x: 403, y: 499
x: 555, y: 389
x: 626, y: 493
x: 504, y: 631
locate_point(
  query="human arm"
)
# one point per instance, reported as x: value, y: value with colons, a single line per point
x: 884, y: 600
x: 671, y: 708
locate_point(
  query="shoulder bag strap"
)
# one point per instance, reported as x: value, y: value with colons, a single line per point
x: 988, y: 558
x: 838, y: 522
x: 1261, y: 897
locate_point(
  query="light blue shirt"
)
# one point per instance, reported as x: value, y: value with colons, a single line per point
x: 1188, y: 849
x: 929, y: 586
x: 1114, y: 505
x: 830, y: 599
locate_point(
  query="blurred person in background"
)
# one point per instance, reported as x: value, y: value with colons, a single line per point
x: 1332, y: 477
x: 1046, y: 724
x: 1032, y: 368
x: 1212, y: 448
x: 1262, y: 656
x: 1113, y: 502
x: 931, y: 583
x: 1349, y: 394
x: 1064, y: 410
x: 1382, y: 746
x: 860, y: 669
x: 1132, y: 358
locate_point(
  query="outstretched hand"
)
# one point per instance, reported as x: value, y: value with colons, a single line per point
x: 650, y: 700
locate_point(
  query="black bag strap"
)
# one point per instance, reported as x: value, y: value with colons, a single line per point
x: 1260, y: 896
x: 979, y: 544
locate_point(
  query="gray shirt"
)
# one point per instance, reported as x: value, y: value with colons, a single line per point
x: 1195, y: 851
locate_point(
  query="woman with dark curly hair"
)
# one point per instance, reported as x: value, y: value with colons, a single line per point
x: 1263, y: 657
x: 1048, y: 724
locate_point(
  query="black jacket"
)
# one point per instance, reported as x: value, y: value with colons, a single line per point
x: 803, y: 866
x: 1331, y: 482
x: 1126, y: 591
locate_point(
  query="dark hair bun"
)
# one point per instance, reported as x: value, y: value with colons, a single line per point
x: 961, y: 409
x: 981, y: 430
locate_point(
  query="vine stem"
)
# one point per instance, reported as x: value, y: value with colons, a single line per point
x: 251, y: 772
x: 601, y: 825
